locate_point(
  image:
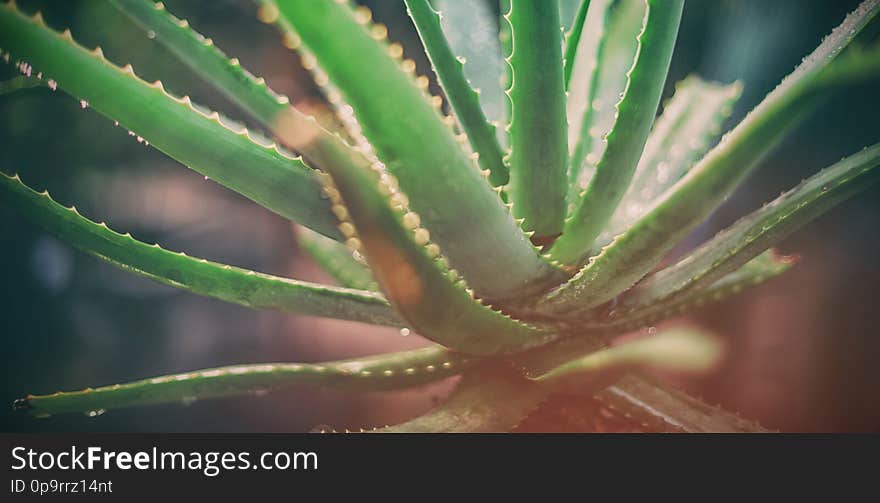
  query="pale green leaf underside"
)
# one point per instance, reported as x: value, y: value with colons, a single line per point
x: 224, y: 282
x: 598, y: 75
x: 677, y: 349
x: 624, y: 143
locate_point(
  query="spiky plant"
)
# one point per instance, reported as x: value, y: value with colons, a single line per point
x: 520, y: 251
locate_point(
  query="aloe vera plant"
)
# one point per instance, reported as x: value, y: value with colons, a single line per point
x: 520, y: 249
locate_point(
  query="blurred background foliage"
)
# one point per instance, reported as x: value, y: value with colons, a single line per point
x: 804, y: 347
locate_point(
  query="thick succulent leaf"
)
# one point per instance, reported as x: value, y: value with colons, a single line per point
x: 689, y: 124
x: 288, y: 124
x: 464, y: 100
x: 410, y: 136
x: 599, y: 67
x: 472, y: 30
x: 489, y: 400
x: 626, y: 140
x: 204, y: 142
x: 231, y: 284
x: 761, y: 229
x: 572, y: 33
x: 409, y: 267
x: 200, y: 54
x: 663, y: 409
x: 677, y: 349
x: 372, y: 373
x: 633, y: 254
x: 630, y: 316
x: 337, y: 260
x: 537, y: 128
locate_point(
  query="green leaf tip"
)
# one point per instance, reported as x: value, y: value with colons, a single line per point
x: 683, y: 350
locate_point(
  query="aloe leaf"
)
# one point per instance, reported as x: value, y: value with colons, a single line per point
x: 597, y: 66
x: 486, y: 401
x: 630, y: 316
x: 409, y: 135
x: 251, y: 93
x: 660, y: 408
x: 626, y: 140
x: 464, y: 100
x: 224, y: 282
x: 634, y: 253
x: 679, y: 349
x: 337, y: 260
x: 372, y: 373
x: 472, y: 30
x: 414, y: 275
x: 200, y: 140
x: 200, y: 54
x: 573, y: 36
x: 763, y: 228
x: 537, y: 128
x: 690, y: 122
x: 570, y: 12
